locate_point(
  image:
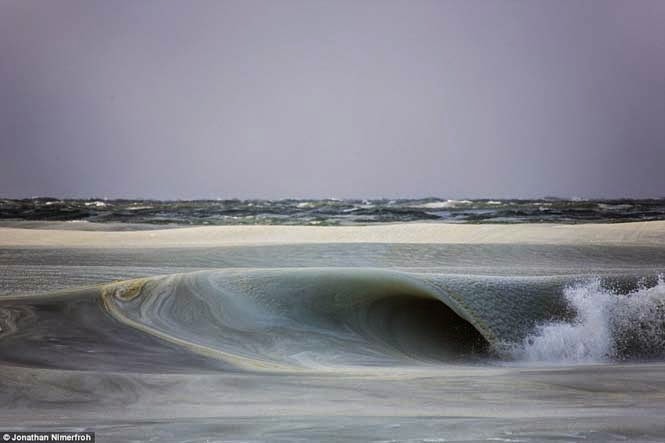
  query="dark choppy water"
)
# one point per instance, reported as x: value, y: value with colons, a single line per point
x: 332, y: 211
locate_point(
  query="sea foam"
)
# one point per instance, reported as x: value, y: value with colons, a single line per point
x: 607, y: 326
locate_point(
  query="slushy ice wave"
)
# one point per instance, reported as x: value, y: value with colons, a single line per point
x: 336, y: 318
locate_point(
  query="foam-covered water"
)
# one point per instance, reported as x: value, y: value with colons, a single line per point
x: 607, y: 326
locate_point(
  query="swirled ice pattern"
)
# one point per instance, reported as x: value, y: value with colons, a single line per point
x: 289, y: 319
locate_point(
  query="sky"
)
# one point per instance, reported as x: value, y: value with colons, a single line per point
x: 337, y: 98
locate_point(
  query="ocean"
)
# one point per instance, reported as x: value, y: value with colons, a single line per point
x: 550, y: 329
x: 330, y: 212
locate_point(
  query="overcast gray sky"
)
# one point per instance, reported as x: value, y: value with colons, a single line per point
x: 357, y: 98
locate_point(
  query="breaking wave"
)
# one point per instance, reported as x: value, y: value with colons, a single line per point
x: 335, y: 318
x: 607, y: 326
x: 290, y: 319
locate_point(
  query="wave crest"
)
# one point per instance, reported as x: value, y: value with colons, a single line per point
x: 281, y: 320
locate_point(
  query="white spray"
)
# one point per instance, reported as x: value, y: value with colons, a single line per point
x: 607, y: 326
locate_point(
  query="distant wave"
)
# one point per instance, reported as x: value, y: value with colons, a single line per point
x: 447, y: 204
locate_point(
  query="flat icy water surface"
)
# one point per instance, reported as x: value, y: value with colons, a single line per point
x: 26, y: 270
